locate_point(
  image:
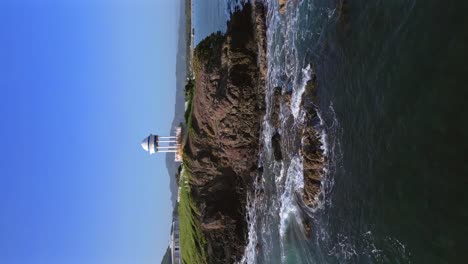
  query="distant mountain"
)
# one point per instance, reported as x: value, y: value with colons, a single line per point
x: 167, y: 257
x: 181, y: 75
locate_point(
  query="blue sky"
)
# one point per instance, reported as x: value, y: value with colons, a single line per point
x: 81, y: 83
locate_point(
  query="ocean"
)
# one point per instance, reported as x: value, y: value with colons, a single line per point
x: 391, y: 100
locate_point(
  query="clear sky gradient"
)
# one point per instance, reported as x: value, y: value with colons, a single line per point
x: 82, y: 82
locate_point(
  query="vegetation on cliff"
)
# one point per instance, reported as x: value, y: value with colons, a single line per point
x: 189, y: 90
x: 192, y: 242
x: 204, y: 53
x: 224, y: 107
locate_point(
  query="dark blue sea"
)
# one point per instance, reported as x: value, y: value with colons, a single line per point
x: 393, y: 107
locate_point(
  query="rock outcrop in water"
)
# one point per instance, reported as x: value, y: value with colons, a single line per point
x: 282, y: 6
x: 223, y: 143
x: 313, y: 157
x: 312, y: 153
x: 275, y: 114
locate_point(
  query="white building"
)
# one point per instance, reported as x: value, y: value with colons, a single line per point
x: 175, y: 242
x: 172, y: 144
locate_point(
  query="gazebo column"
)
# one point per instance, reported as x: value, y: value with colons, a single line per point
x: 174, y: 151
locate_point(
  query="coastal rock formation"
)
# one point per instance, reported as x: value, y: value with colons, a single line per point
x: 282, y: 6
x: 223, y: 141
x: 276, y: 144
x: 275, y: 112
x: 275, y: 119
x: 313, y: 158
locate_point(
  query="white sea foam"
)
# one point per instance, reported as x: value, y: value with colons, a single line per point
x: 294, y: 182
x: 249, y: 254
x: 285, y: 69
x: 281, y: 175
x: 267, y: 132
x: 297, y: 93
x: 323, y: 136
x: 343, y: 248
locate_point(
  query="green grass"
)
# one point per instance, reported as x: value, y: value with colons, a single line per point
x: 189, y: 93
x: 192, y: 242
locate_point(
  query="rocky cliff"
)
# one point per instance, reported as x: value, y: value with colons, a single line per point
x: 223, y: 141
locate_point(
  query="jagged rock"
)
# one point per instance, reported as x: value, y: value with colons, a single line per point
x: 276, y: 144
x: 287, y: 97
x: 260, y: 35
x: 313, y: 158
x: 275, y: 112
x: 223, y: 143
x: 260, y: 192
x: 307, y: 227
x: 282, y: 6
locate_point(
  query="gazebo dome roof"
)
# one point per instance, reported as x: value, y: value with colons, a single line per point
x: 149, y: 144
x: 145, y: 143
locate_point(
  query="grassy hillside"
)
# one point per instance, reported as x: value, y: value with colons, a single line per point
x: 192, y: 242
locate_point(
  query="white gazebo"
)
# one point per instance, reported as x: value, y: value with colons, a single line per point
x: 172, y: 144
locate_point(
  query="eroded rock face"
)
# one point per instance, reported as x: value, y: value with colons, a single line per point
x: 223, y: 145
x: 287, y: 98
x: 313, y: 158
x: 282, y: 6
x: 307, y: 227
x: 276, y: 144
x: 275, y: 111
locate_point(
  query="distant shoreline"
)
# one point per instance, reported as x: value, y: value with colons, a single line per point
x: 189, y: 35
